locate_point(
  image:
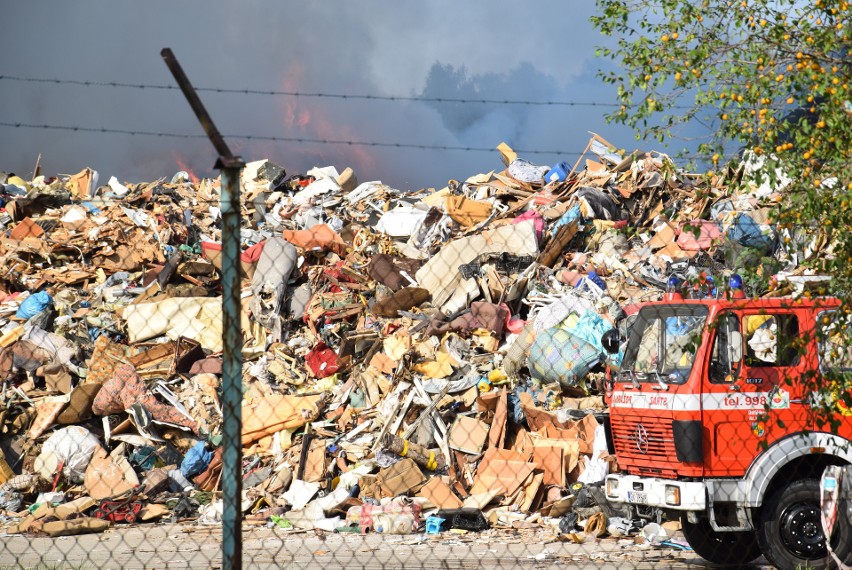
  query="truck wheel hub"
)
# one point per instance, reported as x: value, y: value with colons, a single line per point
x: 801, y: 531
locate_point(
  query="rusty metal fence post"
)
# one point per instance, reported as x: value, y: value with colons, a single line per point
x: 229, y: 167
x: 232, y: 392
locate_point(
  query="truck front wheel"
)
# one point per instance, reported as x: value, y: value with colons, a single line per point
x: 790, y: 533
x: 720, y: 547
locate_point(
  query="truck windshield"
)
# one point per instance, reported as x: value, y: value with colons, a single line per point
x: 663, y: 342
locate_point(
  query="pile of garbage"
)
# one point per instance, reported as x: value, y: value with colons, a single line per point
x: 412, y: 360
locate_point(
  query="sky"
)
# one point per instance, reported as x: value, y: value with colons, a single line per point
x: 420, y: 51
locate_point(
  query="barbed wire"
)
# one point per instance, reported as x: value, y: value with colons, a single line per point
x: 272, y: 138
x: 317, y: 94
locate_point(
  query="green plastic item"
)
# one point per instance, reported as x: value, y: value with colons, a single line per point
x: 281, y: 522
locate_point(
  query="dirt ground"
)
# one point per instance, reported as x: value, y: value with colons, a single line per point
x: 180, y: 546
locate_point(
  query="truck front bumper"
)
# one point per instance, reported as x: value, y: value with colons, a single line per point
x: 653, y: 492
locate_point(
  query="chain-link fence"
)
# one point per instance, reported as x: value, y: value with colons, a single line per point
x: 541, y: 366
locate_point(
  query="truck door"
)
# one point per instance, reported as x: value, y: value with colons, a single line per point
x: 834, y: 331
x: 749, y: 387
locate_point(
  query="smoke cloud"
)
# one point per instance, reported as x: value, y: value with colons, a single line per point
x: 543, y: 51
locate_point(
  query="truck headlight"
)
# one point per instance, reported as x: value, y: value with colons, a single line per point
x: 612, y: 487
x: 672, y: 495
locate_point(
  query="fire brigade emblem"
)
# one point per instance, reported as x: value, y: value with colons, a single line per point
x: 642, y: 439
x: 779, y: 399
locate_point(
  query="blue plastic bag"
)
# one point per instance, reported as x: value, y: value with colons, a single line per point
x: 33, y: 305
x: 745, y: 231
x: 567, y: 218
x: 197, y: 459
x: 591, y: 327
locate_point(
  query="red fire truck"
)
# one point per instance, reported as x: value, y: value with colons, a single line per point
x: 713, y: 421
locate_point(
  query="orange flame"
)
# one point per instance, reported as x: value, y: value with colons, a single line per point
x: 314, y: 123
x: 183, y: 165
x: 293, y: 116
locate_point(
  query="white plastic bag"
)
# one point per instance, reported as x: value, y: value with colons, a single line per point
x: 597, y: 468
x: 71, y: 448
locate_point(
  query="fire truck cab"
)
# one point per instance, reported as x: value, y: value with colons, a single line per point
x: 713, y: 421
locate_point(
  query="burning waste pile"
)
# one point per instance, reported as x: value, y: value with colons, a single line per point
x: 413, y: 362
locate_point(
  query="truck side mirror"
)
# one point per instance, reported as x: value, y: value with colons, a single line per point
x: 611, y: 341
x: 735, y: 346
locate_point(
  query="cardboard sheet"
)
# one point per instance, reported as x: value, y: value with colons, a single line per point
x: 497, y: 433
x: 570, y: 449
x: 266, y: 415
x: 468, y: 435
x: 83, y: 525
x: 400, y: 478
x: 531, y: 492
x: 109, y: 475
x: 315, y: 464
x: 552, y: 461
x: 502, y: 476
x: 437, y: 492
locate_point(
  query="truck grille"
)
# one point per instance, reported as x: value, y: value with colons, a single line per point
x: 644, y: 439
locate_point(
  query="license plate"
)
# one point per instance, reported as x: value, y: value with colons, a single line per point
x: 637, y: 498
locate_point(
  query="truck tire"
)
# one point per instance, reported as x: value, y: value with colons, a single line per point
x: 790, y: 533
x: 727, y: 548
